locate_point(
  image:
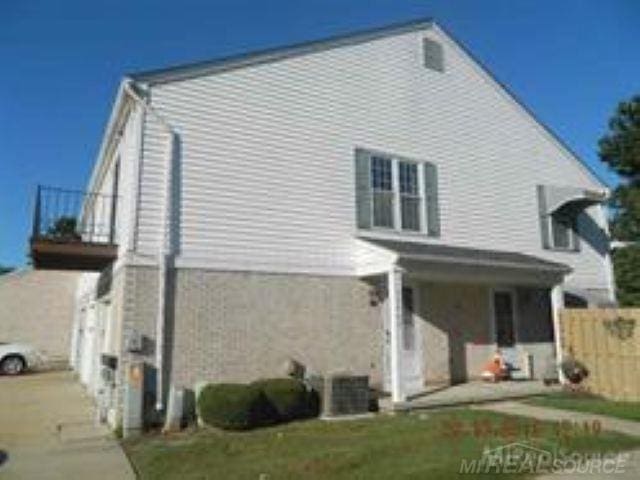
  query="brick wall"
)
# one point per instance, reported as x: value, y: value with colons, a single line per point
x: 236, y: 327
x: 135, y: 291
x: 457, y: 329
x: 229, y: 326
x: 243, y: 326
x: 37, y: 307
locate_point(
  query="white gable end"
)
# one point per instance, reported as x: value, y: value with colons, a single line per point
x: 266, y: 157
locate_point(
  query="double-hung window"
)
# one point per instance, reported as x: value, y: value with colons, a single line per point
x: 562, y: 228
x: 395, y: 193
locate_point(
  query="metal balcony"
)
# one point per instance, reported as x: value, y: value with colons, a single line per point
x: 73, y: 230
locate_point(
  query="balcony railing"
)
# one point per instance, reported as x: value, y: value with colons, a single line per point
x: 73, y: 229
x: 72, y: 215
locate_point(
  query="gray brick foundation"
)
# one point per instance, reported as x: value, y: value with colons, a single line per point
x: 243, y: 326
x: 238, y: 327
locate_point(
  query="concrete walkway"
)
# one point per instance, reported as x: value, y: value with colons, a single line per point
x: 627, y: 427
x: 47, y: 431
x: 471, y: 393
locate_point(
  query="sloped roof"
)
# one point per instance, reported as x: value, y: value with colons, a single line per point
x: 182, y: 72
x: 407, y: 250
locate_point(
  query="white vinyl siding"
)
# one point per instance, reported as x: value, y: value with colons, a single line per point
x: 125, y: 154
x: 267, y: 170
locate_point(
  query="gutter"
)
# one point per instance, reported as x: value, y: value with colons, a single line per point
x: 165, y: 253
x: 559, y: 268
x: 108, y: 135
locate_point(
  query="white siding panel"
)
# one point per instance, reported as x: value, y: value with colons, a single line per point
x: 152, y: 186
x: 266, y: 157
x: 126, y: 151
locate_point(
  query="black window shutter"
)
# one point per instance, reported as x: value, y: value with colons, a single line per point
x: 545, y: 234
x: 363, y: 189
x: 431, y: 199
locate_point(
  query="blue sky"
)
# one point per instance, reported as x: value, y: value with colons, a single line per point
x: 569, y: 61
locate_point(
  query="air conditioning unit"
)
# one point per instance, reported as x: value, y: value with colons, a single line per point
x: 342, y: 394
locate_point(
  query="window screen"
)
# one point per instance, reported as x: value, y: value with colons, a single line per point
x: 382, y: 191
x: 409, y: 196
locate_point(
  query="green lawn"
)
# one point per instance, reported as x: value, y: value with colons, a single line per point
x: 429, y: 445
x: 589, y: 404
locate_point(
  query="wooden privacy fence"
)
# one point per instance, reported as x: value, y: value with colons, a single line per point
x: 607, y: 341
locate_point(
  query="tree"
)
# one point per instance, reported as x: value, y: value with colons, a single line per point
x: 63, y: 228
x: 620, y: 149
x: 627, y: 269
x: 4, y: 269
x: 625, y: 204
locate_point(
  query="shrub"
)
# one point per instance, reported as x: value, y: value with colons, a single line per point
x: 289, y: 397
x: 234, y: 406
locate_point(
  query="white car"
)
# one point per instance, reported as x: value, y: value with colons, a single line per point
x: 16, y: 358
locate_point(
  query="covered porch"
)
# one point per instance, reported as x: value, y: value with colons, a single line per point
x: 447, y: 310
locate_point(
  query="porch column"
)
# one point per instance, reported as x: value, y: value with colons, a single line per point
x: 394, y: 284
x: 557, y: 303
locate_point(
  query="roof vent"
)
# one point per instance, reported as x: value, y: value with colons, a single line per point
x: 433, y: 55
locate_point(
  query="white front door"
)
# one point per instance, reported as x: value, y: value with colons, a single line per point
x: 411, y: 348
x: 504, y: 313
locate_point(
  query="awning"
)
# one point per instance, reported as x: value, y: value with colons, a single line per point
x: 569, y: 200
x: 469, y: 257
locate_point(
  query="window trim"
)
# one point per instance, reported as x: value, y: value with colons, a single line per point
x: 397, y: 196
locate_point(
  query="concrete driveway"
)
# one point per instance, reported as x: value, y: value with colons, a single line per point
x: 48, y: 431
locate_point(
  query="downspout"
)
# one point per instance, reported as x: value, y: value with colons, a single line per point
x: 557, y: 303
x: 394, y: 295
x: 165, y: 252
